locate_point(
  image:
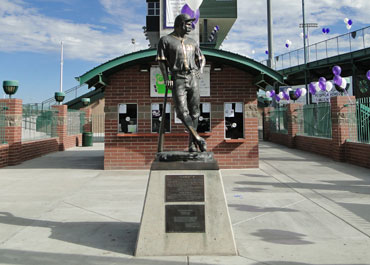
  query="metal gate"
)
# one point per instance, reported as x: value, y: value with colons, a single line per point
x: 98, y: 127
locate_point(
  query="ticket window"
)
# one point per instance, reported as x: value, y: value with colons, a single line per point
x: 127, y: 118
x: 204, y: 121
x: 234, y: 120
x: 157, y: 109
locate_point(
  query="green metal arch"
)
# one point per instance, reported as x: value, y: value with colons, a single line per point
x: 149, y: 55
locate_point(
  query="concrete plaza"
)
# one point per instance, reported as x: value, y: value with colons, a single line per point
x: 296, y: 209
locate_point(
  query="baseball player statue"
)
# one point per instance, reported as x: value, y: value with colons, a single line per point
x: 180, y: 57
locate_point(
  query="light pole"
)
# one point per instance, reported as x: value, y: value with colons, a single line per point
x: 269, y: 35
x: 305, y: 52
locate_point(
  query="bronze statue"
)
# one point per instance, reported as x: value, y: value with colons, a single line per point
x: 180, y: 57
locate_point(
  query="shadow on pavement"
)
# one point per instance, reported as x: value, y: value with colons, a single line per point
x: 117, y: 237
x: 281, y: 237
x: 256, y: 209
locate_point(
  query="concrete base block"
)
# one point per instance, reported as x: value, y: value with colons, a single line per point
x: 164, y: 232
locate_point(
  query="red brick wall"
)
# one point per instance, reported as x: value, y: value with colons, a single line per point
x: 132, y: 86
x: 358, y: 154
x: 4, y: 154
x: 33, y: 149
x: 321, y: 146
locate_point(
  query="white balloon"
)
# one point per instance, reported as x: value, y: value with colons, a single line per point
x: 304, y: 92
x: 317, y: 87
x: 346, y: 20
x: 268, y: 94
x: 288, y: 90
x: 349, y: 26
x: 253, y: 51
x: 329, y: 86
x: 281, y: 95
x: 194, y: 4
x: 344, y: 83
x: 301, y: 35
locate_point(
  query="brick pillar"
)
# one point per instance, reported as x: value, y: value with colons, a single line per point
x: 292, y: 116
x: 88, y: 121
x: 340, y: 128
x: 13, y: 129
x: 62, y: 125
x: 266, y: 123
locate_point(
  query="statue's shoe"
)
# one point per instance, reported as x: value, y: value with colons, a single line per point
x: 202, y: 144
x: 193, y: 148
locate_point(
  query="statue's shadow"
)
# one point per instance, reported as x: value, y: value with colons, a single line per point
x: 109, y: 236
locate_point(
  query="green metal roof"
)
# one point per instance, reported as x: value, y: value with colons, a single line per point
x: 218, y: 9
x: 94, y: 76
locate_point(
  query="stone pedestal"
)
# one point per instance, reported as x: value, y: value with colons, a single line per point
x: 185, y: 210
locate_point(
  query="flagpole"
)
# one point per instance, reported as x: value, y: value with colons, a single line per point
x: 61, y: 67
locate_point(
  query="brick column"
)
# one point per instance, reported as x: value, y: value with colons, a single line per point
x: 292, y: 116
x: 13, y: 129
x: 340, y: 128
x: 88, y: 121
x: 62, y: 125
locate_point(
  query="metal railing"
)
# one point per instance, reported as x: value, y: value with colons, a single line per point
x: 3, y: 108
x: 278, y: 121
x: 359, y: 121
x: 75, y: 122
x: 315, y: 120
x: 71, y: 94
x: 346, y: 43
x: 38, y: 122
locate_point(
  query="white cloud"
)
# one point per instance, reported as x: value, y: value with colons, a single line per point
x: 25, y: 29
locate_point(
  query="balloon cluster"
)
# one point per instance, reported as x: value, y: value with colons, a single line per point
x: 213, y: 33
x: 341, y: 83
x: 287, y: 94
x: 301, y: 35
x: 321, y: 85
x: 288, y: 43
x: 348, y: 22
x: 325, y: 30
x: 192, y: 9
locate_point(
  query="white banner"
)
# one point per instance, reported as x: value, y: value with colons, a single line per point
x: 173, y: 8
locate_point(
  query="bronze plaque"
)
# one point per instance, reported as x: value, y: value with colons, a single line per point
x: 184, y: 188
x: 185, y: 219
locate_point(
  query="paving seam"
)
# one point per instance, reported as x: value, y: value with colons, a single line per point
x: 322, y: 199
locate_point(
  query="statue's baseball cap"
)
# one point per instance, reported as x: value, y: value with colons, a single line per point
x: 183, y: 18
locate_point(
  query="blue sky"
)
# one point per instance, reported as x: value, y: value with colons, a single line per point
x: 94, y: 31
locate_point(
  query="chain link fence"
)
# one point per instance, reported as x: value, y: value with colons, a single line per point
x: 38, y: 123
x: 75, y: 122
x: 315, y: 120
x: 278, y: 121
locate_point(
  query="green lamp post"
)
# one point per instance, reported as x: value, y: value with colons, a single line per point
x: 10, y: 87
x: 59, y: 97
x: 85, y: 101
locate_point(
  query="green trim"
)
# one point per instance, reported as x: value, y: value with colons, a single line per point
x: 85, y: 78
x: 148, y: 55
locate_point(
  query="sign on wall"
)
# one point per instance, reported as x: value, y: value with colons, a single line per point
x: 173, y: 8
x: 158, y: 88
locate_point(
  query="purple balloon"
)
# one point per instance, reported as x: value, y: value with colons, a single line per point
x: 312, y: 88
x: 277, y: 98
x: 322, y: 80
x: 286, y: 95
x: 337, y: 80
x: 298, y: 92
x: 324, y: 30
x: 193, y: 14
x: 337, y: 70
x: 272, y: 93
x: 350, y: 22
x: 267, y: 52
x: 327, y: 30
x: 368, y: 74
x: 322, y: 86
x: 287, y: 45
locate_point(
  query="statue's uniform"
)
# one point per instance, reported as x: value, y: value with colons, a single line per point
x: 183, y: 57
